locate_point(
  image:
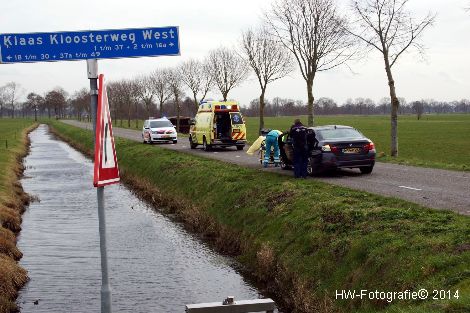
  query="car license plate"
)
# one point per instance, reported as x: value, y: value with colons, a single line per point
x: 352, y: 150
x: 165, y: 136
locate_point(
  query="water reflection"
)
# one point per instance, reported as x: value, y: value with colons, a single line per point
x: 155, y: 266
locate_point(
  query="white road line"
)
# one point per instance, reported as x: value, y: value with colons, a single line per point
x: 237, y: 156
x: 411, y: 188
x: 216, y: 152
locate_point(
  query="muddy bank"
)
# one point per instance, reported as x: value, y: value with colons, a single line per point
x: 13, y: 204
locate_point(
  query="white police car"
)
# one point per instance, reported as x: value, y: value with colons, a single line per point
x: 159, y: 130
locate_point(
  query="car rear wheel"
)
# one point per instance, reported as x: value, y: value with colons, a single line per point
x: 366, y: 170
x: 311, y: 170
x: 239, y: 148
x: 175, y: 141
x: 284, y: 165
x: 191, y: 143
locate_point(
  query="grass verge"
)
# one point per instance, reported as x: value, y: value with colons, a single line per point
x: 304, y: 239
x: 14, y: 146
x: 436, y: 141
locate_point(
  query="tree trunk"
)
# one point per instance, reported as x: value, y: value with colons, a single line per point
x: 261, y: 109
x: 177, y: 113
x: 148, y: 107
x: 129, y: 115
x: 161, y: 108
x: 196, y: 105
x: 35, y: 114
x: 225, y: 94
x: 136, y: 117
x: 310, y: 121
x: 394, y: 110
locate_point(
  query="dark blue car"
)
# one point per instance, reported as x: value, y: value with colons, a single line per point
x: 334, y: 147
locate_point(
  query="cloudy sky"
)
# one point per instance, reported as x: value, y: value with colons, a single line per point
x: 206, y: 24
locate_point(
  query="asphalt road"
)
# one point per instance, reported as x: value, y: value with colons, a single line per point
x: 434, y: 188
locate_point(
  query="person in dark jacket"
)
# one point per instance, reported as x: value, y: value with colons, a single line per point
x: 298, y: 133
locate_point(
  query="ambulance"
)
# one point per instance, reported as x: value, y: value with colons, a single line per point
x: 218, y: 124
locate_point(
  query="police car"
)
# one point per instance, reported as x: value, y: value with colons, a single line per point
x: 159, y: 130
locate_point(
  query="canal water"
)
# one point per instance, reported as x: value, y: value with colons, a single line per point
x: 155, y: 265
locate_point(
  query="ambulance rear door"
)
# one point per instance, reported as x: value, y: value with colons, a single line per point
x: 238, y: 126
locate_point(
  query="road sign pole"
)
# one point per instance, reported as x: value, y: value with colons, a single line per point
x: 92, y: 68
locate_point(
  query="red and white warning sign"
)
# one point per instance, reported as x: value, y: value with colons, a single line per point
x: 106, y: 165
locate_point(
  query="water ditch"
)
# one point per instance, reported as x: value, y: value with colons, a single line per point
x: 155, y: 265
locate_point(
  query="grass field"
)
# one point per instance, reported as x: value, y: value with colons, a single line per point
x: 308, y: 237
x: 439, y: 141
x: 12, y: 148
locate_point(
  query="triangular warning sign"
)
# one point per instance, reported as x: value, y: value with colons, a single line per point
x: 106, y: 166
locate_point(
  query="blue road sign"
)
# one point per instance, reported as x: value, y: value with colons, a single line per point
x: 93, y: 44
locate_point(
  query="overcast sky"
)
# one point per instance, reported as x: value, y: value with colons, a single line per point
x: 207, y: 24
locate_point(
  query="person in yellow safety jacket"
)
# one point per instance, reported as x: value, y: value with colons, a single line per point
x: 271, y: 141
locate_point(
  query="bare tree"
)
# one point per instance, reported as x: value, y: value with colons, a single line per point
x: 386, y: 25
x: 315, y: 33
x: 80, y: 102
x: 2, y: 99
x: 418, y: 108
x: 119, y: 99
x: 34, y: 101
x: 162, y: 89
x: 268, y: 58
x: 145, y: 91
x: 197, y: 78
x: 56, y: 99
x: 11, y: 92
x: 130, y: 99
x: 228, y: 70
x: 174, y: 82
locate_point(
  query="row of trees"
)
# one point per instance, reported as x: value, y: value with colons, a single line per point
x: 54, y: 102
x: 359, y: 106
x: 57, y: 103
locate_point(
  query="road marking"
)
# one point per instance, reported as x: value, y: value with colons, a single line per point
x: 183, y: 146
x: 215, y: 152
x: 411, y: 188
x: 237, y: 156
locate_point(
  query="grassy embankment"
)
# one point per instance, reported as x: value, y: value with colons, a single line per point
x: 12, y: 204
x: 439, y: 141
x: 305, y: 239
